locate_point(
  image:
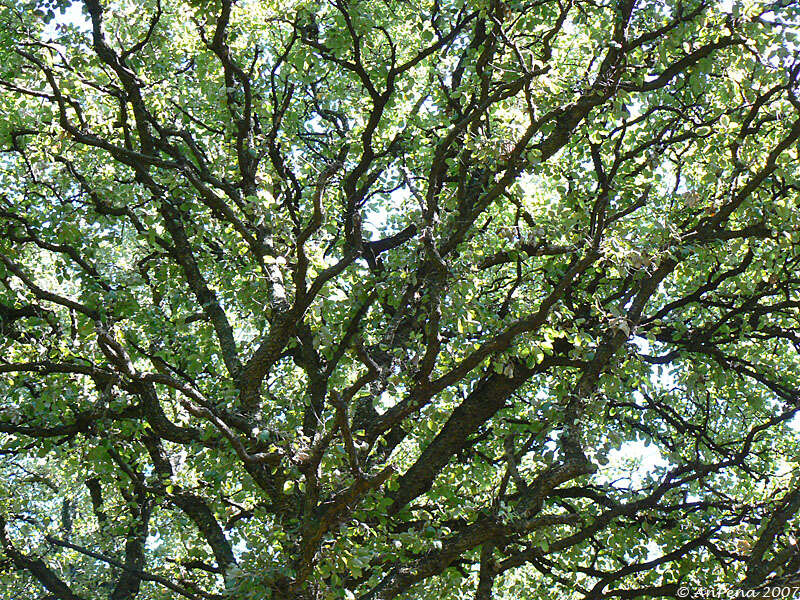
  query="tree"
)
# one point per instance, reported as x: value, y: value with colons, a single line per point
x: 398, y: 299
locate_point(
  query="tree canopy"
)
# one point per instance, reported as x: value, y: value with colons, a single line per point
x: 374, y: 299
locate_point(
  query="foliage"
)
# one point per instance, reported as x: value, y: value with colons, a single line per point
x: 397, y: 298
